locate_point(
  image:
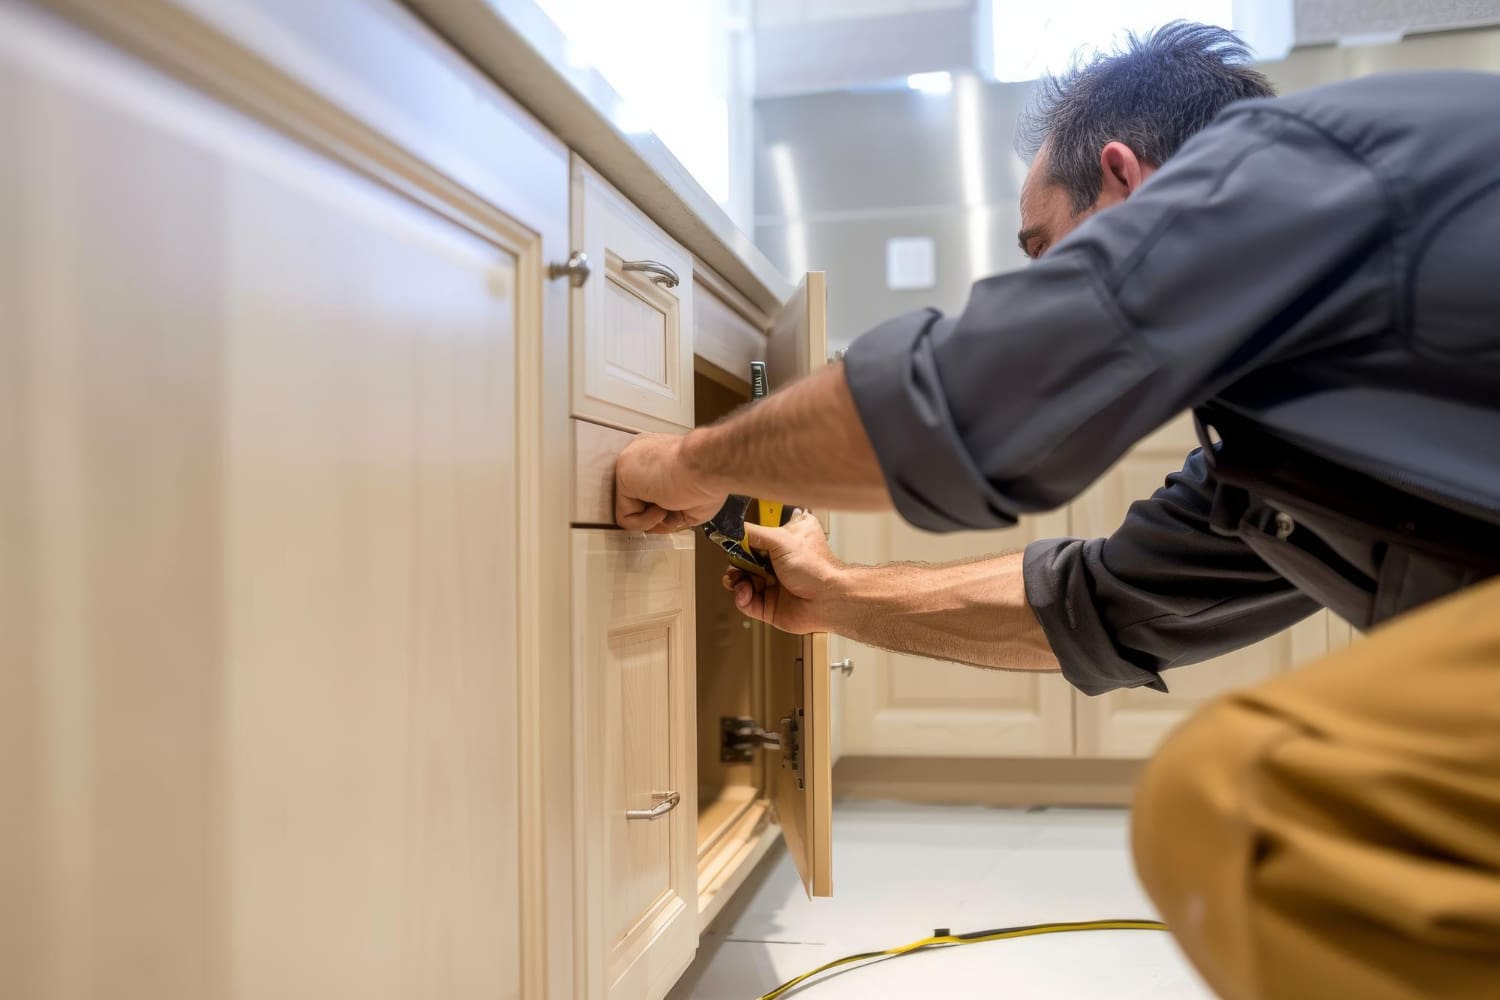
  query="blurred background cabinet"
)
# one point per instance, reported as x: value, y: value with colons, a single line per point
x: 907, y: 722
x: 1131, y: 723
x: 894, y: 704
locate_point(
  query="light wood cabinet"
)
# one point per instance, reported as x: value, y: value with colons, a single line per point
x: 323, y: 671
x: 637, y: 795
x: 896, y: 706
x: 681, y: 696
x: 899, y: 705
x: 261, y: 603
x: 802, y: 789
x: 1133, y: 722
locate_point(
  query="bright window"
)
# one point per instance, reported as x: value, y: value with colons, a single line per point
x: 1033, y: 39
x: 667, y: 59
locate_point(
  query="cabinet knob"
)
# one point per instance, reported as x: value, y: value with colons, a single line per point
x: 662, y: 274
x: 665, y: 803
x: 845, y: 667
x: 576, y: 270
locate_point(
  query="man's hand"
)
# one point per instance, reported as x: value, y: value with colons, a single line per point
x: 807, y: 580
x: 656, y: 491
x: 968, y: 612
x: 803, y: 443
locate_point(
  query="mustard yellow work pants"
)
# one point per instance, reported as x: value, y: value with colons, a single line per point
x: 1335, y: 833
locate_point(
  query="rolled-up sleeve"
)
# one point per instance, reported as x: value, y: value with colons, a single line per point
x: 1052, y: 372
x: 1164, y: 590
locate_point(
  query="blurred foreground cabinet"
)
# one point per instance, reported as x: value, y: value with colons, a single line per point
x: 260, y: 609
x: 917, y: 728
x: 323, y: 672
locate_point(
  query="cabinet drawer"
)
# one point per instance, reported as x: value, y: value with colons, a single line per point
x: 633, y: 640
x: 595, y: 449
x: 632, y: 317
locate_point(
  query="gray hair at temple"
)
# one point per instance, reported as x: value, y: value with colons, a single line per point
x: 1153, y: 94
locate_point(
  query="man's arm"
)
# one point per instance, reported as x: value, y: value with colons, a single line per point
x: 1216, y: 268
x: 972, y: 612
x: 804, y: 445
x: 1164, y: 590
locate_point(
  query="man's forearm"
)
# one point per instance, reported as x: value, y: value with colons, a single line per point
x: 972, y: 612
x: 802, y: 445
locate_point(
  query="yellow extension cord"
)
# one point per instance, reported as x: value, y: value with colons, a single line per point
x: 943, y: 940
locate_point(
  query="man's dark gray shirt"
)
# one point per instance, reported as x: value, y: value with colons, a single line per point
x: 1325, y: 266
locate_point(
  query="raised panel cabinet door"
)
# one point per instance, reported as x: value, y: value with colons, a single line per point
x: 1133, y: 722
x: 259, y: 585
x: 897, y: 705
x: 799, y: 687
x: 633, y: 642
x: 632, y: 316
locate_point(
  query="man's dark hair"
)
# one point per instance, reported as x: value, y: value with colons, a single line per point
x: 1152, y: 95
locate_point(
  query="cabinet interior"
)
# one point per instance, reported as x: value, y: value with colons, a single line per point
x: 730, y: 657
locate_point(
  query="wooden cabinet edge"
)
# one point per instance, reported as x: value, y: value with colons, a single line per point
x: 724, y: 341
x: 1006, y: 782
x: 731, y: 296
x: 727, y: 866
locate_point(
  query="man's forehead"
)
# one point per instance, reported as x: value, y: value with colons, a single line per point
x: 1034, y: 175
x: 1033, y: 214
x: 1047, y: 214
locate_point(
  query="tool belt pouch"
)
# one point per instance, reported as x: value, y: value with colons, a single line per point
x: 1362, y: 547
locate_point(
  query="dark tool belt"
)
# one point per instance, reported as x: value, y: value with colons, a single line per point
x: 1252, y: 465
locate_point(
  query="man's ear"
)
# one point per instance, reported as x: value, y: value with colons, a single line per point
x: 1123, y: 173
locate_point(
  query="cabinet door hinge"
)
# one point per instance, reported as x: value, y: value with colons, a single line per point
x: 743, y: 735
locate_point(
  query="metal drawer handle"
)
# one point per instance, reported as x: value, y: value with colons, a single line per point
x: 576, y: 270
x: 664, y: 275
x: 846, y: 667
x: 665, y: 803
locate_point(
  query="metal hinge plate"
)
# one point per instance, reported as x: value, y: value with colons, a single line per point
x: 741, y: 736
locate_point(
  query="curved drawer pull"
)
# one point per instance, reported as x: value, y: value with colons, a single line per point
x: 665, y: 803
x: 662, y: 274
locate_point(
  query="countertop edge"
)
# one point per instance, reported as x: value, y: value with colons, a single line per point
x: 517, y: 46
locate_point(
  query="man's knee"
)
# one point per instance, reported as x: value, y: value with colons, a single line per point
x: 1186, y: 796
x: 1193, y: 840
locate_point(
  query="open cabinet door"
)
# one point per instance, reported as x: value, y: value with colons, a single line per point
x: 802, y: 785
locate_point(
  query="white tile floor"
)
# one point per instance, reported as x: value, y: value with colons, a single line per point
x: 900, y: 871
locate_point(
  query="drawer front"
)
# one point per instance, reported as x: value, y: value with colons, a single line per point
x: 633, y: 662
x: 632, y: 317
x: 595, y: 449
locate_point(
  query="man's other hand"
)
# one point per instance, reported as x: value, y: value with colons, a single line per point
x: 807, y: 577
x: 656, y: 491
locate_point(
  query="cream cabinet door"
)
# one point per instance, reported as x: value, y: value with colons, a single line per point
x: 259, y: 585
x: 632, y: 316
x: 799, y: 685
x: 633, y: 643
x: 895, y: 705
x: 1132, y: 723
